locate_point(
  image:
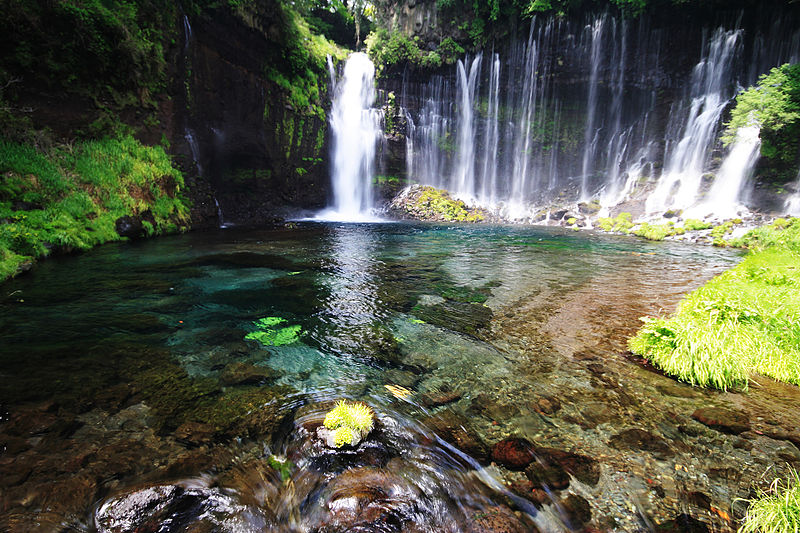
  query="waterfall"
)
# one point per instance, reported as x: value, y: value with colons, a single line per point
x: 711, y: 90
x: 464, y: 180
x: 187, y: 33
x: 355, y: 127
x: 489, y: 174
x: 590, y: 137
x: 723, y: 199
x: 792, y: 206
x: 580, y: 110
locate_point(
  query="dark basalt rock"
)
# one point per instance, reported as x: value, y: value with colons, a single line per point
x: 128, y: 226
x: 368, y: 499
x: 513, y: 453
x: 724, y: 420
x: 639, y: 439
x: 576, y: 509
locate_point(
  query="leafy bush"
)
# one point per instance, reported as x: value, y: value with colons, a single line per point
x: 773, y: 104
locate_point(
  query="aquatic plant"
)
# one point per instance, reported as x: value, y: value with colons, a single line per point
x: 349, y: 422
x: 269, y: 335
x: 776, y: 510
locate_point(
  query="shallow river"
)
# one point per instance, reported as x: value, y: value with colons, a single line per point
x: 177, y: 384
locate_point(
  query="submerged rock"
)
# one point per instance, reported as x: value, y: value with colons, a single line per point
x: 498, y: 519
x: 513, y: 453
x: 240, y: 373
x: 639, y: 439
x: 576, y: 510
x: 724, y: 420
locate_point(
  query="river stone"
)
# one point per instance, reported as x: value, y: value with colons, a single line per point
x: 585, y: 469
x: 639, y: 439
x: 194, y: 433
x: 538, y: 497
x: 513, y: 453
x: 369, y: 499
x: 459, y: 432
x: 440, y: 397
x: 724, y: 420
x: 576, y: 510
x: 546, y: 405
x: 498, y: 519
x: 546, y: 475
x: 683, y: 523
x: 240, y: 373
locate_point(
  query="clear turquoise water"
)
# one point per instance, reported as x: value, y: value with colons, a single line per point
x: 502, y: 316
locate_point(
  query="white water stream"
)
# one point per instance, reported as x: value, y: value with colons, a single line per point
x: 355, y: 127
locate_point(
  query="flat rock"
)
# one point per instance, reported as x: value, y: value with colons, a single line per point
x: 438, y: 398
x: 724, y: 420
x: 239, y: 373
x: 639, y: 439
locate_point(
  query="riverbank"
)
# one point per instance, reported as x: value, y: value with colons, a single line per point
x: 73, y: 197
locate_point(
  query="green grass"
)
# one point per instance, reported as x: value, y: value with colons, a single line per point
x: 743, y: 321
x: 776, y: 510
x: 622, y: 223
x: 70, y: 197
x: 657, y: 232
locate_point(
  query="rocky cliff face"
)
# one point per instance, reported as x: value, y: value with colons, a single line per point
x: 250, y: 156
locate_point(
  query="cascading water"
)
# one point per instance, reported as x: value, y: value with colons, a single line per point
x: 711, y: 89
x: 792, y: 206
x: 723, y: 199
x: 355, y: 126
x: 585, y: 110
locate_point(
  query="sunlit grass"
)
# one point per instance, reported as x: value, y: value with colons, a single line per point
x: 776, y: 510
x: 743, y: 321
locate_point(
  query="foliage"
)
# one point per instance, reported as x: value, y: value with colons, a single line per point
x: 302, y: 69
x: 776, y: 510
x: 269, y: 334
x: 745, y: 320
x: 622, y: 223
x: 773, y: 104
x: 69, y: 198
x: 388, y: 49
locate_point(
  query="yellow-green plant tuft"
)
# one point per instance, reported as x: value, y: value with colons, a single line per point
x: 349, y: 420
x: 776, y: 510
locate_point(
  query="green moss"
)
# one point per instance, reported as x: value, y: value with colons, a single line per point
x: 622, y: 223
x: 73, y: 195
x: 657, y: 232
x: 437, y: 204
x: 692, y: 224
x: 269, y: 334
x: 744, y: 321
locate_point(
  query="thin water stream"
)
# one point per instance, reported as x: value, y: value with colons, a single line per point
x: 134, y: 397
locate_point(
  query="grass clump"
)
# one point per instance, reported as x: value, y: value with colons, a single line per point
x: 743, y: 321
x: 776, y: 510
x: 69, y: 197
x: 350, y: 422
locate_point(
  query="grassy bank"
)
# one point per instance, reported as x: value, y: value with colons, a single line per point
x: 776, y: 510
x: 743, y: 321
x: 69, y: 197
